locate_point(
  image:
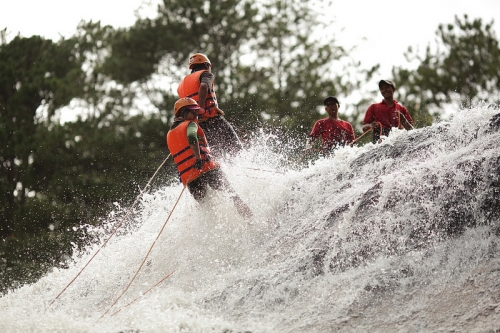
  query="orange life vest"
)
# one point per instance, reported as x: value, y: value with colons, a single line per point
x: 190, y: 86
x: 183, y: 154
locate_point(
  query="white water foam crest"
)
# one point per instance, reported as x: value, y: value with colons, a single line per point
x: 361, y: 241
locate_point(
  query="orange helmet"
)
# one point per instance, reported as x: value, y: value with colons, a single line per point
x: 198, y: 58
x: 183, y: 102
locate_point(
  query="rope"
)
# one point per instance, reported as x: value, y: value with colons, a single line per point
x: 266, y: 170
x: 147, y: 291
x: 362, y: 135
x: 406, y: 120
x: 367, y: 131
x: 113, y: 233
x: 149, y: 251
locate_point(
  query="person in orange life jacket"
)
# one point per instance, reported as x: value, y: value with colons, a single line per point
x: 199, y: 85
x: 197, y: 169
x: 388, y: 113
x: 334, y: 132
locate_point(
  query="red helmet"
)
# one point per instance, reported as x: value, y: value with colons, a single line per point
x: 198, y: 58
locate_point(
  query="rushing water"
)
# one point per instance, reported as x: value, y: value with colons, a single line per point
x: 403, y: 236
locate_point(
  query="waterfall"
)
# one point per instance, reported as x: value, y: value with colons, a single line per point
x: 402, y: 236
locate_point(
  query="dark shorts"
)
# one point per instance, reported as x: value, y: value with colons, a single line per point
x: 221, y: 137
x: 216, y: 179
x: 376, y: 134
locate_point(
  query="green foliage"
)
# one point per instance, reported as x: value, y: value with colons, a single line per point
x: 27, y: 260
x: 82, y: 170
x: 464, y: 65
x: 138, y: 51
x: 270, y: 70
x: 34, y: 74
x: 217, y: 28
x: 292, y: 71
x: 57, y: 178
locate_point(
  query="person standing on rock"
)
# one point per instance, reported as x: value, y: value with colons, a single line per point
x: 382, y: 117
x: 334, y: 132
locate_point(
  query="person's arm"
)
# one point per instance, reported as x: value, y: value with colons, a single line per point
x: 351, y: 137
x: 369, y: 121
x: 405, y: 119
x: 202, y: 94
x: 206, y: 81
x: 366, y: 127
x: 406, y: 124
x: 408, y: 121
x: 192, y: 136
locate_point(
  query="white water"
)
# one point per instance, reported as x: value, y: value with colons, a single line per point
x: 352, y: 243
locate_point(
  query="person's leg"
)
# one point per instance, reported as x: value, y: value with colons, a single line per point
x: 376, y: 134
x: 198, y: 188
x: 221, y: 137
x: 231, y: 139
x: 218, y: 181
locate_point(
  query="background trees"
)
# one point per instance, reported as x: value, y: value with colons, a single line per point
x: 269, y: 63
x: 273, y: 65
x: 56, y: 178
x: 36, y: 75
x: 464, y: 68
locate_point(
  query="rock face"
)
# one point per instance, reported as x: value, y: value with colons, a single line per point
x: 395, y: 237
x: 407, y: 194
x: 429, y: 185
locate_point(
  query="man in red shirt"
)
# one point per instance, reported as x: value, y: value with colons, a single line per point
x: 381, y: 117
x: 334, y: 132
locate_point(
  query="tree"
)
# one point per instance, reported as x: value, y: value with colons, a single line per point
x: 464, y: 65
x: 57, y: 179
x: 269, y: 66
x: 292, y: 69
x: 35, y: 75
x: 160, y: 47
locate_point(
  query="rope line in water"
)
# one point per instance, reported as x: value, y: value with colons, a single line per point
x: 114, y: 231
x: 149, y: 251
x: 144, y: 293
x: 273, y: 171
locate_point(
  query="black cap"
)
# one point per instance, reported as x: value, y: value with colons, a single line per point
x: 331, y: 98
x: 389, y: 82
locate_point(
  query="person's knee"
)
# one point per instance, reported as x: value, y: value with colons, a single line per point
x: 198, y: 192
x: 198, y: 196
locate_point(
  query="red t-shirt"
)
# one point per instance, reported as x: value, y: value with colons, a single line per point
x: 386, y: 115
x: 333, y: 132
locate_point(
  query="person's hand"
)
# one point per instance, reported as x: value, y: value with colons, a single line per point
x: 375, y: 125
x: 198, y: 164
